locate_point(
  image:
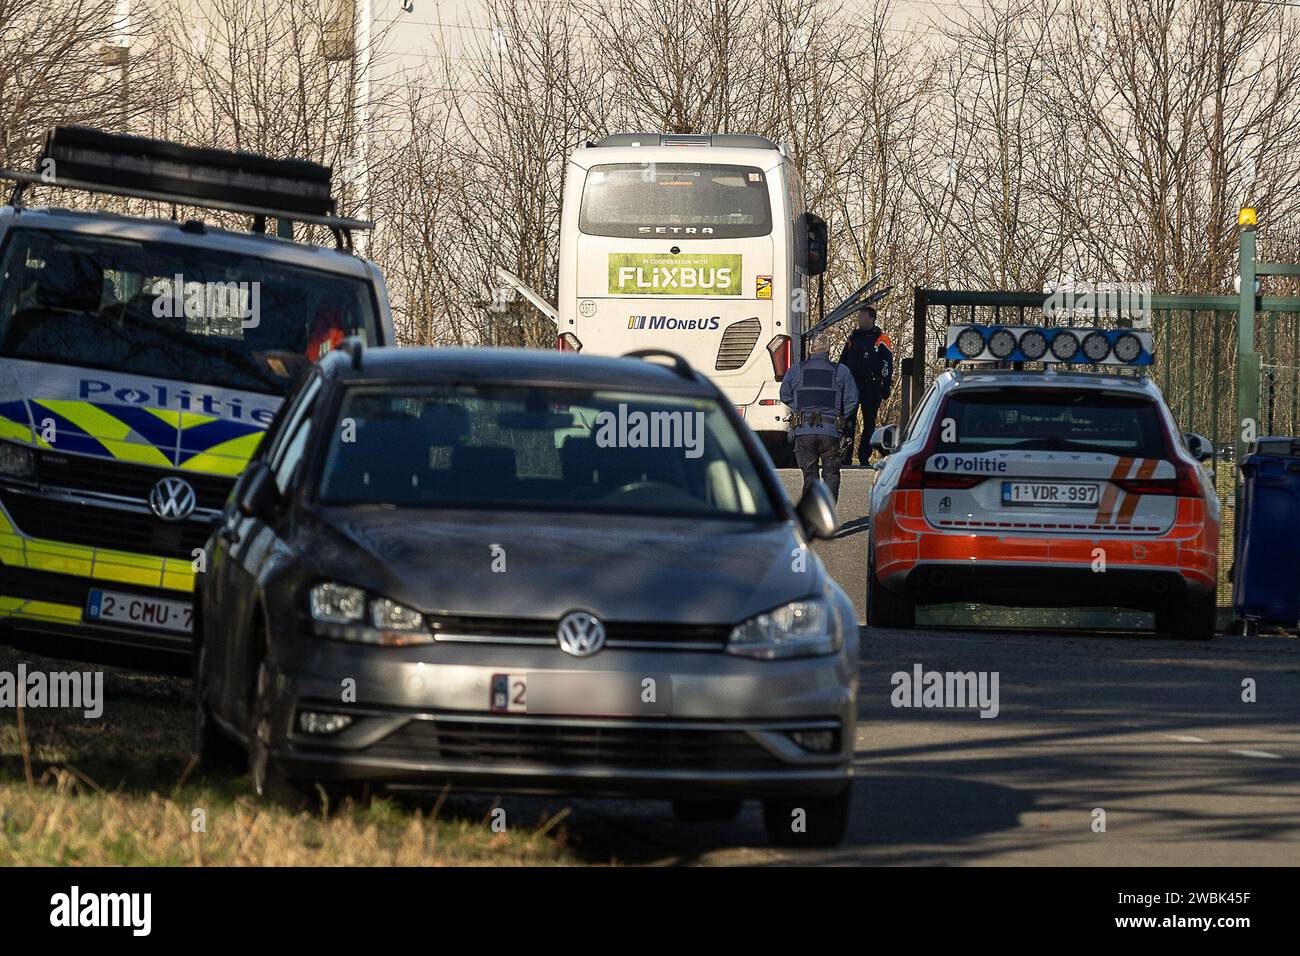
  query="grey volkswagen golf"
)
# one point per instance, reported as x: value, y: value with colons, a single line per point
x: 527, y: 571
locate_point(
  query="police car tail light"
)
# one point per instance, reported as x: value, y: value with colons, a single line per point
x: 779, y: 349
x: 1187, y: 480
x: 913, y: 473
x: 568, y: 342
x: 1148, y: 486
x: 1185, y: 483
x: 915, y: 476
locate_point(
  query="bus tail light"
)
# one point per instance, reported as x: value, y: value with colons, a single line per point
x: 779, y: 349
x: 568, y: 342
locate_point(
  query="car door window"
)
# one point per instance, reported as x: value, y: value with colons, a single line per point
x: 295, y: 443
x: 922, y: 412
x: 300, y: 405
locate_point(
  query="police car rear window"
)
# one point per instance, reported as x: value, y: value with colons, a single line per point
x: 1051, y: 420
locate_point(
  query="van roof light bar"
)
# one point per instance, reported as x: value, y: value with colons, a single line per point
x: 78, y: 157
x: 732, y: 140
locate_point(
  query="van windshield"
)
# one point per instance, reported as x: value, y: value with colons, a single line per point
x: 172, y: 311
x: 675, y: 200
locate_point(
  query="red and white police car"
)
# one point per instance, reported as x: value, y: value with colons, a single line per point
x: 1045, y: 488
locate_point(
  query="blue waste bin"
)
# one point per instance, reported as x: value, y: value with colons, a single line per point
x: 1266, y: 567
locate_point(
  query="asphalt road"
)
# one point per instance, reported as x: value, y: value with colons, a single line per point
x: 1152, y: 731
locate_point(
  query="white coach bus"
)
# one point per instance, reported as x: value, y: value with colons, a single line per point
x: 696, y: 244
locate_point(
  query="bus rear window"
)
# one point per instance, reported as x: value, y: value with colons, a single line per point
x: 675, y: 200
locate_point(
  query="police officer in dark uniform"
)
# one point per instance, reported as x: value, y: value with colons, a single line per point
x: 869, y: 356
x: 824, y: 399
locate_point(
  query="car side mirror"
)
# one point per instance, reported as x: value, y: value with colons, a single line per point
x: 818, y: 242
x: 257, y: 494
x: 816, y: 511
x: 1202, y: 448
x: 885, y: 439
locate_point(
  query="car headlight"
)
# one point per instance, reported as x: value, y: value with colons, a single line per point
x: 337, y: 603
x: 350, y: 614
x: 17, y: 461
x: 391, y: 616
x: 798, y: 629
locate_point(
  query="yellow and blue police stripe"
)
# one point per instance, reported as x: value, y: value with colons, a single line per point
x: 165, y: 438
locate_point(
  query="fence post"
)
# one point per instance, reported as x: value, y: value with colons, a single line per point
x: 919, y: 358
x: 1247, y: 357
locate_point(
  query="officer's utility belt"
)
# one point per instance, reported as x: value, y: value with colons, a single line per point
x: 817, y: 420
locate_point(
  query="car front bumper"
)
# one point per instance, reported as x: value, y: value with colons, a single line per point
x: 422, y: 717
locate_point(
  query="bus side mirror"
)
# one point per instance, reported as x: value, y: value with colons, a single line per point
x: 818, y: 240
x: 885, y: 439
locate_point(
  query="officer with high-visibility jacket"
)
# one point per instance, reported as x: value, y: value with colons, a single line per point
x: 824, y: 398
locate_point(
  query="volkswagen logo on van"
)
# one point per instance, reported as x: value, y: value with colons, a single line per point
x: 580, y: 634
x: 172, y: 499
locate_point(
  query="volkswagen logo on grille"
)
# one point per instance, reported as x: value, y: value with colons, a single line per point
x: 580, y: 634
x: 172, y: 499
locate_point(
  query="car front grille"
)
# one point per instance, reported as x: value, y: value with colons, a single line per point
x: 110, y: 528
x: 737, y: 343
x: 89, y: 475
x: 618, y: 634
x: 623, y: 746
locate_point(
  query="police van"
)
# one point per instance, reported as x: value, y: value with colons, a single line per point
x: 1061, y: 487
x: 141, y: 360
x: 699, y: 244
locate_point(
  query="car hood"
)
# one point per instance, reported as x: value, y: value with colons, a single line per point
x: 622, y: 568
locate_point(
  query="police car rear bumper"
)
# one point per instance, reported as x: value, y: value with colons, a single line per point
x: 1020, y: 585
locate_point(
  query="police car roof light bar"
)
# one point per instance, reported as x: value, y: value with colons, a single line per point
x: 1130, y: 348
x: 90, y: 160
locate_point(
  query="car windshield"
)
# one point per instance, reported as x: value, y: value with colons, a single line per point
x: 172, y: 311
x: 645, y: 200
x: 1086, y: 420
x: 540, y: 448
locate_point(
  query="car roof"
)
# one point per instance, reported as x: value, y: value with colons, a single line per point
x: 256, y: 245
x: 954, y: 379
x: 425, y: 365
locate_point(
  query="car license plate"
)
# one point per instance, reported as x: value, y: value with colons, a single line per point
x: 139, y: 611
x: 1058, y: 494
x: 573, y: 694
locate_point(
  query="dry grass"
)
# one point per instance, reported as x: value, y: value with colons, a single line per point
x: 64, y: 821
x: 118, y: 791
